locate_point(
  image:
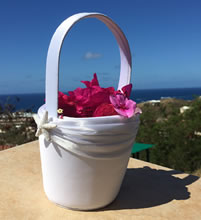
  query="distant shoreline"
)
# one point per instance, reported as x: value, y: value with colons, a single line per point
x: 33, y: 101
x: 133, y: 90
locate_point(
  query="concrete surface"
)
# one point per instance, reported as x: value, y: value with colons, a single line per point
x: 148, y: 192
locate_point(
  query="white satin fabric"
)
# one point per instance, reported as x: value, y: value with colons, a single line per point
x: 98, y: 137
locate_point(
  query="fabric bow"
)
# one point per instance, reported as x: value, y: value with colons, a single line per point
x: 43, y: 125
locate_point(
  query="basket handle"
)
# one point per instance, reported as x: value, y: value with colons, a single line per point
x: 53, y: 56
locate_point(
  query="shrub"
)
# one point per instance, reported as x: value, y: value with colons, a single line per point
x: 15, y: 126
x: 176, y: 136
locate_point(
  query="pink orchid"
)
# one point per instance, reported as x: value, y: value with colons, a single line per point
x: 123, y: 105
x: 138, y: 111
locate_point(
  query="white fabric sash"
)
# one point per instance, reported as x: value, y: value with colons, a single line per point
x: 100, y: 137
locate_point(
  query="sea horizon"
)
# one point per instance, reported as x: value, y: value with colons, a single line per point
x: 174, y: 88
x: 32, y: 101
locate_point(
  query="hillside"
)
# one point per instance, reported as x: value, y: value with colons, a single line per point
x: 176, y: 136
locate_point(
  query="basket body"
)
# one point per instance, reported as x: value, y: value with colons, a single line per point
x: 80, y: 182
x: 90, y: 176
x: 84, y: 163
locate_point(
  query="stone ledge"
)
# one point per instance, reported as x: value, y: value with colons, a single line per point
x: 148, y: 192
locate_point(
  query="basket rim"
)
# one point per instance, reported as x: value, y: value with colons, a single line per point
x: 110, y: 117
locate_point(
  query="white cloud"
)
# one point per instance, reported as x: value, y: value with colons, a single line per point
x: 91, y: 55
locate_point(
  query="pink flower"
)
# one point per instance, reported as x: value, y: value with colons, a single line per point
x: 123, y: 105
x: 138, y: 111
x: 127, y: 90
x: 94, y: 101
x: 67, y: 104
x: 82, y: 102
x: 94, y: 82
x: 104, y: 109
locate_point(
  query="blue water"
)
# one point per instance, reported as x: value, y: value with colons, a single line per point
x: 24, y: 101
x: 34, y: 101
x: 157, y: 94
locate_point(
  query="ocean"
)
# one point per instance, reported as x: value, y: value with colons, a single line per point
x: 34, y: 101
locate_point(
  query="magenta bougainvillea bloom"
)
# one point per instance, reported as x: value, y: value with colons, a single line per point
x: 127, y: 90
x: 104, y: 109
x: 94, y: 101
x: 94, y: 82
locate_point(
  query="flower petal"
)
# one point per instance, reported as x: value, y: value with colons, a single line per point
x: 114, y: 101
x: 127, y: 90
x: 121, y: 112
x: 118, y: 100
x: 104, y: 109
x: 138, y: 111
x: 93, y: 82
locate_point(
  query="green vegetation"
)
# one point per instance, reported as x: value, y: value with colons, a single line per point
x: 16, y: 127
x: 176, y: 136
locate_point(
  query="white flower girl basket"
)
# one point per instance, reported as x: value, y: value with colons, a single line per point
x: 83, y: 159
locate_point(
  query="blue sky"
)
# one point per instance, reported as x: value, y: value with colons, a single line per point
x: 164, y: 38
